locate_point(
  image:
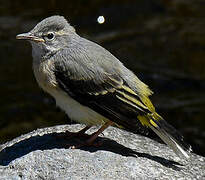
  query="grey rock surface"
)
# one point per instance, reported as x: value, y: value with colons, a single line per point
x: 45, y: 154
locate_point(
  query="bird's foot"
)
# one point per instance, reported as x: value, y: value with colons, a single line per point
x: 70, y: 135
x: 91, y: 141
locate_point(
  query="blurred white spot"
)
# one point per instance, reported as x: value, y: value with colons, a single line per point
x: 101, y: 19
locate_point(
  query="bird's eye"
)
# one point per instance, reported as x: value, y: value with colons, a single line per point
x: 50, y: 36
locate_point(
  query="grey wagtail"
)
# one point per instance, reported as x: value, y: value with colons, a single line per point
x: 92, y: 86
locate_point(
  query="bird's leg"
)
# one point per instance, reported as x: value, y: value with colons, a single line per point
x: 93, y: 136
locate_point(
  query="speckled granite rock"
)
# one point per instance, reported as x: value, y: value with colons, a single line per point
x: 42, y: 154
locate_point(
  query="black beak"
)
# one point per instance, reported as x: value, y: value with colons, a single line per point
x: 29, y: 36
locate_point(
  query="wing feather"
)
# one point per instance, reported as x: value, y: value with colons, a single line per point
x: 109, y: 96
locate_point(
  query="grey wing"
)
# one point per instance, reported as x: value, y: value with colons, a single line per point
x: 88, y: 77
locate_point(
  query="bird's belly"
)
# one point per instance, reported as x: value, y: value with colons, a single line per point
x: 76, y: 111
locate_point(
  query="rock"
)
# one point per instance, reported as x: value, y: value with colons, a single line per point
x: 45, y: 154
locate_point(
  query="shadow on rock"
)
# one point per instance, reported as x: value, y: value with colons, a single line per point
x: 55, y: 140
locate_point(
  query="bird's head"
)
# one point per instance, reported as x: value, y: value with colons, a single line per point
x: 50, y: 35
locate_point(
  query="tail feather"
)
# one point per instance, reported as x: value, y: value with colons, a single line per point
x: 171, y: 142
x: 168, y: 134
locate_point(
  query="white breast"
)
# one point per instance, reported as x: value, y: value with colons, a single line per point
x: 44, y: 75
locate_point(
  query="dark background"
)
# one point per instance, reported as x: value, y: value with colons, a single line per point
x: 162, y: 41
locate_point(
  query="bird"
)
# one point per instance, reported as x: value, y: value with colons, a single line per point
x: 92, y: 86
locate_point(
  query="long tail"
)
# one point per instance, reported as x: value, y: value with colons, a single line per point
x: 167, y: 133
